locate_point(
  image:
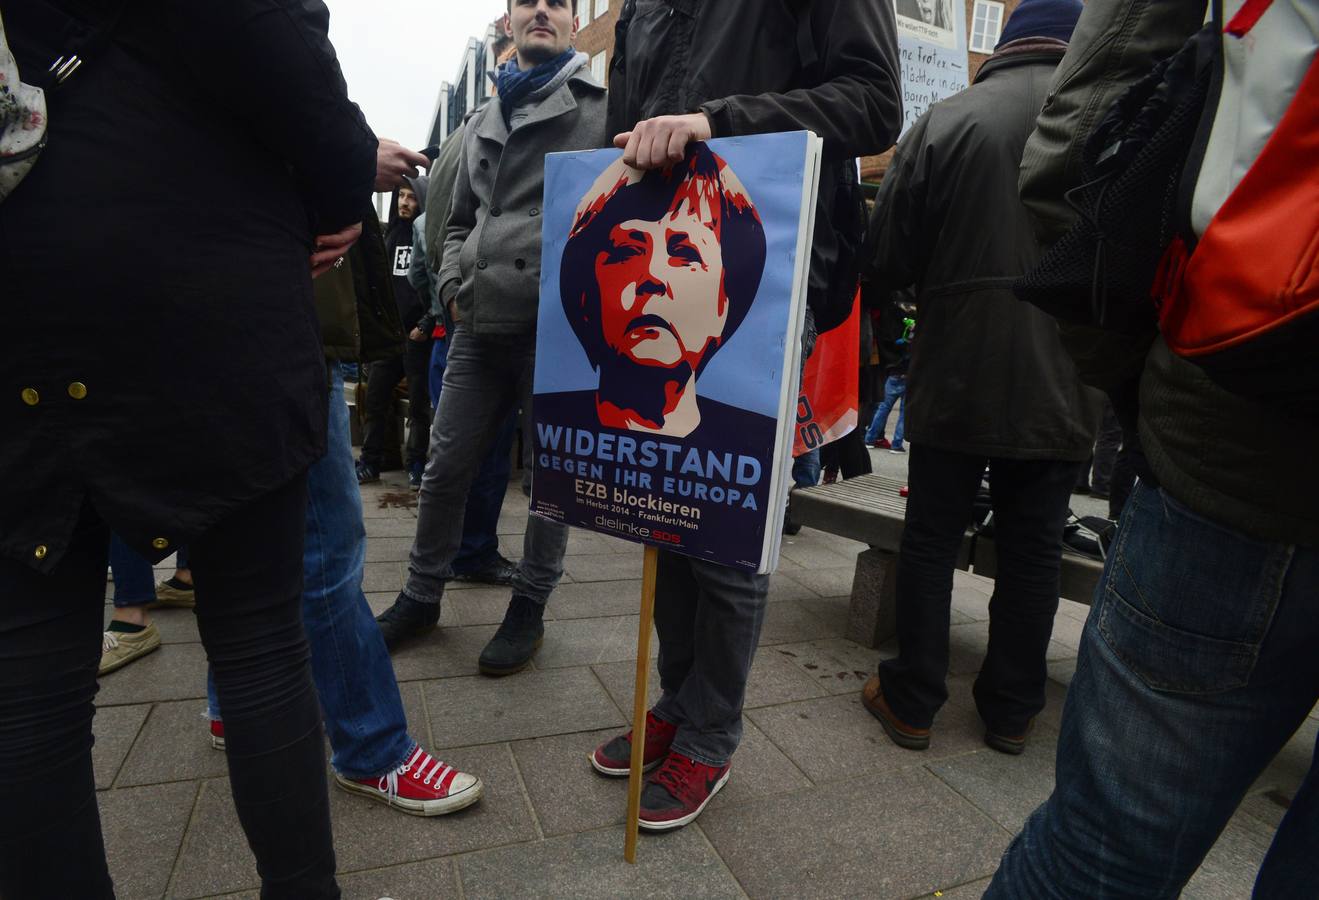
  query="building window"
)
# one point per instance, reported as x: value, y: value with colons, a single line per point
x: 583, y: 10
x: 601, y: 7
x: 986, y: 26
x: 598, y: 66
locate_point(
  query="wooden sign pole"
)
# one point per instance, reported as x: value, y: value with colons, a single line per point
x: 636, y: 777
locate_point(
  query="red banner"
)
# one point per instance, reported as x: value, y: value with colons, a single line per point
x: 827, y: 405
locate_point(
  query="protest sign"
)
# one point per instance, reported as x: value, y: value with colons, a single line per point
x: 932, y: 51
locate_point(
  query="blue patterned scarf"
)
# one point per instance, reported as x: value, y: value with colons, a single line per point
x: 515, y: 84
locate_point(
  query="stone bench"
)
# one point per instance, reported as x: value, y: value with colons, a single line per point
x: 871, y: 510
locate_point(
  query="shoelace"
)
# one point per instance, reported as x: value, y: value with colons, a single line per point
x: 678, y: 776
x: 109, y: 642
x: 417, y: 764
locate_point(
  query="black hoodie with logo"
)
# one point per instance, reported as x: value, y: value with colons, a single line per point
x: 398, y: 243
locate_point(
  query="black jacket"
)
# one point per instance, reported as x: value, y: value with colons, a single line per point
x: 989, y: 374
x: 155, y: 264
x: 761, y: 66
x: 355, y: 303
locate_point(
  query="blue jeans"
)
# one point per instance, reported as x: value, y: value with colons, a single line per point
x: 480, y: 545
x: 364, y: 715
x: 806, y: 469
x: 134, y: 576
x: 1196, y: 666
x: 895, y: 390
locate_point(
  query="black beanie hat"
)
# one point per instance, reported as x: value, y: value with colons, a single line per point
x: 1042, y: 19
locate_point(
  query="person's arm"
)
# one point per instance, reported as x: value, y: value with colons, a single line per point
x: 1116, y: 43
x: 457, y: 229
x: 894, y: 252
x: 270, y: 62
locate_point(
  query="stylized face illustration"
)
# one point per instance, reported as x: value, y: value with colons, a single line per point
x: 661, y: 289
x: 927, y: 10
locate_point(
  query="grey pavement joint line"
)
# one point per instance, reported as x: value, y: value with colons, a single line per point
x: 198, y: 788
x: 696, y: 826
x: 522, y: 788
x: 114, y: 782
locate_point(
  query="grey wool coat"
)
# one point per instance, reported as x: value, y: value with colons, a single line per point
x: 492, y: 240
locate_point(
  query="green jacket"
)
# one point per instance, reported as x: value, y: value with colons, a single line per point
x: 1221, y: 454
x: 355, y: 303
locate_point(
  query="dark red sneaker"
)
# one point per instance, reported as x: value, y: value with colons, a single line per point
x: 217, y: 734
x: 676, y: 794
x: 881, y: 444
x: 614, y: 758
x: 422, y: 786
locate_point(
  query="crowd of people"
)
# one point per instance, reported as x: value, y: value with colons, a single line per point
x: 173, y: 382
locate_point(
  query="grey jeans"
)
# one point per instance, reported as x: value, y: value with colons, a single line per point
x: 708, y: 618
x: 485, y: 379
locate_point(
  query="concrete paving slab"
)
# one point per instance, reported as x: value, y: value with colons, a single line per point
x: 590, y: 866
x: 143, y: 829
x: 972, y: 890
x: 434, y: 879
x: 1062, y: 670
x: 604, y: 567
x: 594, y: 599
x: 1005, y: 788
x: 790, y: 622
x: 174, y: 672
x: 368, y: 835
x: 175, y: 745
x: 620, y: 678
x: 176, y: 626
x: 1229, y: 869
x: 835, y: 738
x: 115, y: 729
x: 833, y: 611
x: 385, y: 577
x: 783, y: 587
x: 395, y: 527
x: 895, y: 836
x: 836, y: 665
x: 481, y: 710
x: 809, y: 551
x: 444, y: 653
x: 1067, y: 631
x: 582, y: 642
x: 388, y: 549
x: 831, y: 582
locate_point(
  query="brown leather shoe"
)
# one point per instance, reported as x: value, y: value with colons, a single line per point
x: 902, y: 734
x: 1013, y: 745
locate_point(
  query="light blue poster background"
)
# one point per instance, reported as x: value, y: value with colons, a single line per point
x: 746, y: 371
x: 934, y: 62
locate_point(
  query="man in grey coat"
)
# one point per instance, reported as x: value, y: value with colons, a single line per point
x: 990, y: 385
x: 490, y: 282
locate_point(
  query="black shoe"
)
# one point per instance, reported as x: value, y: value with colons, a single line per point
x: 407, y: 619
x: 367, y: 473
x: 1011, y: 744
x: 790, y: 527
x: 414, y: 476
x: 517, y: 640
x: 497, y: 571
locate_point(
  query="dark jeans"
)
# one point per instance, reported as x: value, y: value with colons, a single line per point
x: 848, y: 455
x: 248, y: 575
x: 384, y: 375
x: 134, y: 576
x: 708, y: 618
x: 1197, y: 664
x: 1107, y: 443
x: 1030, y: 507
x: 480, y: 544
x: 485, y: 381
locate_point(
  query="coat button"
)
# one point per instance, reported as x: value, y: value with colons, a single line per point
x: 77, y: 390
x: 520, y: 263
x: 159, y: 543
x: 534, y: 211
x: 496, y: 212
x: 481, y: 263
x: 40, y: 552
x: 485, y: 163
x: 30, y: 396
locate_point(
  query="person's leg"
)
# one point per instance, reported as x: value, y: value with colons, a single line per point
x: 899, y: 430
x: 50, y: 629
x: 134, y: 577
x: 1030, y: 508
x: 1107, y: 443
x: 354, y: 677
x: 880, y: 421
x: 416, y: 362
x: 131, y: 634
x: 853, y: 459
x: 1196, y: 665
x: 544, y: 543
x: 435, y: 374
x: 479, y: 552
x: 248, y: 571
x: 676, y: 593
x: 942, y: 487
x: 1122, y: 482
x: 384, y: 375
x: 730, y: 610
x: 806, y: 469
x: 478, y: 393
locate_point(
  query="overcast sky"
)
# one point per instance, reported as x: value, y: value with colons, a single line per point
x: 395, y: 53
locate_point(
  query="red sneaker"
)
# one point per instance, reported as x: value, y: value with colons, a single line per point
x: 676, y: 794
x: 614, y: 758
x: 881, y: 444
x: 422, y: 786
x: 217, y: 734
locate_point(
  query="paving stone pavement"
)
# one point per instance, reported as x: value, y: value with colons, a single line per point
x: 820, y: 804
